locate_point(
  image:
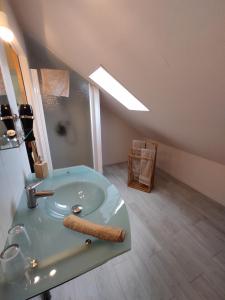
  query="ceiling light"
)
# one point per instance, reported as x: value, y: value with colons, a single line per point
x: 5, y: 32
x: 115, y: 89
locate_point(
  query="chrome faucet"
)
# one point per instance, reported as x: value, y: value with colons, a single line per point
x: 32, y: 194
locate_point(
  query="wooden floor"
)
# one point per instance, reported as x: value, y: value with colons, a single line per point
x: 178, y: 248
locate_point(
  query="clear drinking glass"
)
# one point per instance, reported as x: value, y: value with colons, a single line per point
x: 13, y: 262
x: 18, y: 235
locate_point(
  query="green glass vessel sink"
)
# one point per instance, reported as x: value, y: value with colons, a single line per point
x: 87, y: 195
x: 53, y: 243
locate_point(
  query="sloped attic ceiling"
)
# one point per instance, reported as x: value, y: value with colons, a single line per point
x: 169, y: 54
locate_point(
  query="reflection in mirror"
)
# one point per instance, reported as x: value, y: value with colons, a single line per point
x: 16, y: 74
x: 25, y: 110
x: 10, y: 137
x: 3, y: 101
x: 7, y: 140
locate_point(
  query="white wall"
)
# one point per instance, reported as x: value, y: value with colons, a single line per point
x: 205, y: 176
x: 13, y: 169
x: 13, y: 163
x: 117, y: 136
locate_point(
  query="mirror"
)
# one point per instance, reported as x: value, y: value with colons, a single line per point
x: 18, y: 85
x: 4, y: 111
x: 11, y: 135
x: 7, y: 122
x: 16, y: 75
x: 25, y: 110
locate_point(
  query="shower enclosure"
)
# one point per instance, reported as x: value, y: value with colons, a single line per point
x: 68, y: 124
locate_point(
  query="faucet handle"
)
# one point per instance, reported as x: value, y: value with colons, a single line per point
x: 33, y: 185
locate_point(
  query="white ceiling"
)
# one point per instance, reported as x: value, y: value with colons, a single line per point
x: 169, y: 54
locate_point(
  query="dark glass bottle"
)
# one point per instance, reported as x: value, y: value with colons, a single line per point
x: 26, y: 116
x: 6, y: 116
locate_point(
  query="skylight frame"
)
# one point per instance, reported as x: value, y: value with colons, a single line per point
x: 113, y: 87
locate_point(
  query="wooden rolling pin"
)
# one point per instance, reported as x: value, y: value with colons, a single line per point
x: 103, y: 232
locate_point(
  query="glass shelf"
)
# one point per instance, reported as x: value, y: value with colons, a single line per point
x: 11, y: 143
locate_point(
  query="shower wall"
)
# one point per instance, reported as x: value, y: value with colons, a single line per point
x: 67, y: 119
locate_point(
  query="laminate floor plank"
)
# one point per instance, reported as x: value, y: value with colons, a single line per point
x: 215, y: 277
x: 175, y: 276
x: 178, y: 247
x: 192, y: 257
x: 220, y: 259
x: 205, y: 290
x: 109, y: 287
x: 131, y: 282
x: 211, y: 239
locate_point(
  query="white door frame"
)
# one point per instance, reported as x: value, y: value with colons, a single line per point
x: 41, y: 134
x: 94, y: 99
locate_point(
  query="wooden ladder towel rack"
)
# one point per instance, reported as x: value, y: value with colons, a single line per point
x: 132, y: 181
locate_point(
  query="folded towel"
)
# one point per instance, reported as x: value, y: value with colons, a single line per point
x: 136, y: 163
x: 102, y: 232
x: 55, y: 82
x: 136, y: 150
x: 146, y: 166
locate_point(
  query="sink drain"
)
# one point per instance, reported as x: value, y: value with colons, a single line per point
x: 76, y: 209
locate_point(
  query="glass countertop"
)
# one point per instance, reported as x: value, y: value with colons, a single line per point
x: 64, y: 253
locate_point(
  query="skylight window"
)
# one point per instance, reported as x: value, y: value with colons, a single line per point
x: 115, y: 89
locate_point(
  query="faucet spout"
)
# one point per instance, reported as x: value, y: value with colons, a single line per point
x: 32, y: 194
x: 44, y: 194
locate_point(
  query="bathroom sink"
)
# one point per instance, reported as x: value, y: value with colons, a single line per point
x: 101, y: 203
x: 86, y: 195
x: 79, y: 186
